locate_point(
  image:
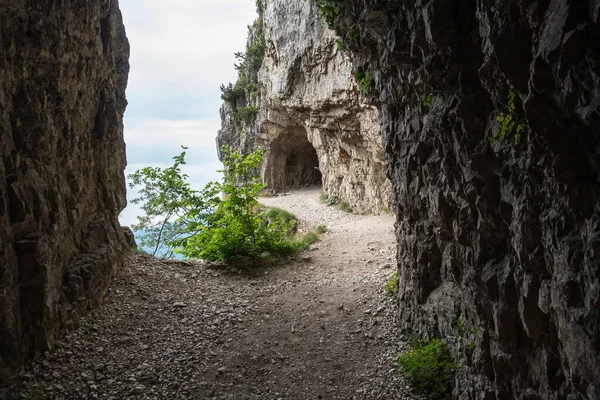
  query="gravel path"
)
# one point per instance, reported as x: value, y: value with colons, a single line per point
x: 317, y: 326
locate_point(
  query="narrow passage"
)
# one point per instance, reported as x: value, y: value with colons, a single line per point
x: 318, y: 326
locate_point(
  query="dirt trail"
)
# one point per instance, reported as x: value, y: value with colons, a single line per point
x: 318, y: 326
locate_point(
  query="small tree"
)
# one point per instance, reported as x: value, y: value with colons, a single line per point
x: 164, y: 195
x: 202, y: 224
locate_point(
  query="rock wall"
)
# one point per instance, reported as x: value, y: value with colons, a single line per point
x: 498, y: 239
x: 63, y: 75
x: 313, y: 121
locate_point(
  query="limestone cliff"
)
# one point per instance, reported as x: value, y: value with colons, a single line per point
x: 63, y: 73
x: 311, y: 117
x: 490, y: 116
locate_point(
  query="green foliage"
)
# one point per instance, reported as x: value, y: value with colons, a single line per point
x: 336, y: 201
x: 164, y: 195
x: 510, y: 123
x: 329, y: 10
x: 220, y: 222
x: 231, y: 93
x: 236, y: 229
x: 248, y: 63
x: 309, y: 239
x: 460, y: 325
x: 331, y: 200
x: 255, y: 51
x: 391, y: 285
x: 345, y: 206
x: 364, y: 80
x: 339, y: 43
x: 430, y: 368
x: 277, y: 214
x: 246, y: 114
x: 353, y: 33
x: 427, y: 100
x: 321, y: 229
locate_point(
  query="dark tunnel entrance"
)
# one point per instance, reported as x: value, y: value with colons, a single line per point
x: 302, y: 166
x: 292, y: 162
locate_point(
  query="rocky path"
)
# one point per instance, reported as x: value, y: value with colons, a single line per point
x: 315, y: 327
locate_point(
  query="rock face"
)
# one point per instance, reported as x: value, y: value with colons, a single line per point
x: 498, y: 239
x: 312, y: 121
x: 62, y: 187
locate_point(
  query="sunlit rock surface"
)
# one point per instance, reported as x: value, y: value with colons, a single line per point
x: 313, y: 121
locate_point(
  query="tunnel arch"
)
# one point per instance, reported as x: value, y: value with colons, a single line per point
x: 291, y: 161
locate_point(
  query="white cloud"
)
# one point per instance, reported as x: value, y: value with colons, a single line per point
x: 185, y: 44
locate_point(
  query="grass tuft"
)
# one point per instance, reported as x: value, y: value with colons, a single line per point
x: 430, y: 368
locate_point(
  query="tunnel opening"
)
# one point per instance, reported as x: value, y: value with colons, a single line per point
x: 293, y: 162
x: 302, y: 167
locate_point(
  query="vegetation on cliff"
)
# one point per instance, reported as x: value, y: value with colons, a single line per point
x: 243, y: 96
x: 430, y: 367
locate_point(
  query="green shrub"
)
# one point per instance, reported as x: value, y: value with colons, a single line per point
x: 336, y: 201
x: 222, y: 222
x: 321, y: 229
x: 231, y: 93
x: 329, y: 10
x: 331, y: 200
x: 459, y: 325
x: 391, y: 285
x: 345, y: 206
x: 427, y: 100
x: 339, y: 43
x: 511, y: 124
x: 364, y: 80
x: 246, y: 114
x: 353, y: 33
x: 430, y: 368
x: 255, y: 51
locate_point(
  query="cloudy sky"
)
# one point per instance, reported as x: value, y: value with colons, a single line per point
x: 181, y: 52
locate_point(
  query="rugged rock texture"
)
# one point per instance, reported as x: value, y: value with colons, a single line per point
x: 498, y: 245
x: 313, y: 121
x: 63, y: 75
